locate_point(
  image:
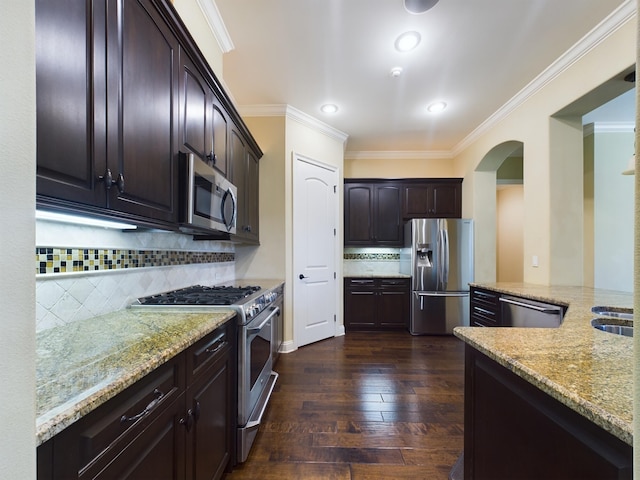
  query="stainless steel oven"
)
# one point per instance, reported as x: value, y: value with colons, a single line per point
x: 259, y: 312
x: 255, y: 375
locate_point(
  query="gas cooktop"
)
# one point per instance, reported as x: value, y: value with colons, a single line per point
x: 201, y: 295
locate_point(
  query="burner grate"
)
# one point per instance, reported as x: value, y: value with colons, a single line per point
x: 201, y: 295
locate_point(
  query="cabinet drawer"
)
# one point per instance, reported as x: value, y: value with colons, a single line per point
x: 359, y: 282
x: 489, y: 300
x: 395, y: 282
x: 209, y: 349
x: 119, y: 420
x: 483, y: 316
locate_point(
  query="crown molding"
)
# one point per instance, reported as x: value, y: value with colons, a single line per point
x: 216, y: 24
x: 609, y: 127
x: 595, y: 37
x: 292, y: 113
x: 398, y: 155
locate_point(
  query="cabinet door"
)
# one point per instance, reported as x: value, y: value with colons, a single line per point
x: 359, y: 304
x: 70, y: 96
x: 142, y: 111
x: 388, y: 228
x: 446, y: 200
x: 209, y: 436
x: 252, y: 197
x: 358, y: 207
x: 392, y: 303
x: 157, y: 453
x: 218, y: 149
x: 417, y: 201
x: 239, y: 177
x: 194, y: 105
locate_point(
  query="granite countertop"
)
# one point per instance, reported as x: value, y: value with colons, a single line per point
x: 586, y: 369
x: 81, y: 365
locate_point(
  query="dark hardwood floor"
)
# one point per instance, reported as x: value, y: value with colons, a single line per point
x: 367, y: 405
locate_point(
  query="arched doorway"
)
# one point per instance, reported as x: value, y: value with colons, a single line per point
x: 489, y: 238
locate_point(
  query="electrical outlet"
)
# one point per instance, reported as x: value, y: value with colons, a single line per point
x: 534, y: 261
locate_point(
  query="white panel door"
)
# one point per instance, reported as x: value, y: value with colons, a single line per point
x: 315, y: 211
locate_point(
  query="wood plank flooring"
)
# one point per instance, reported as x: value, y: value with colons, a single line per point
x: 368, y: 405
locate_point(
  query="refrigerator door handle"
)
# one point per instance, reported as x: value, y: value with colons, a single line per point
x: 445, y: 254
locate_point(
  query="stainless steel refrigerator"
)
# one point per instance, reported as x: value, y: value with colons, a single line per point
x: 438, y: 254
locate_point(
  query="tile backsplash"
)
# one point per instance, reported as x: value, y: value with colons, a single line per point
x: 83, y: 272
x: 371, y: 261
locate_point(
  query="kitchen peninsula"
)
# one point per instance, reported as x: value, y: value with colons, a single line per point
x: 549, y: 402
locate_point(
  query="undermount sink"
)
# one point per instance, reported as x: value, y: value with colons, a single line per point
x: 614, y: 312
x: 615, y: 326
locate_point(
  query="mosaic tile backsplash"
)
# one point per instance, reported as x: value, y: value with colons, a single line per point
x: 370, y: 261
x: 63, y: 260
x: 75, y: 282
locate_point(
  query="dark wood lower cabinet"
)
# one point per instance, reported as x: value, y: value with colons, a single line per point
x: 376, y: 303
x: 513, y: 430
x: 177, y: 422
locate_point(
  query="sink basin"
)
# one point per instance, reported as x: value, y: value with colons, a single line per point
x: 614, y: 312
x: 615, y: 326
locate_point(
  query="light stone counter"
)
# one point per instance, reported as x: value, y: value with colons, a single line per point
x: 82, y: 365
x: 586, y: 369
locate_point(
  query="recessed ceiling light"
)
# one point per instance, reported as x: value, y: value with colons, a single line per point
x: 396, y: 71
x: 418, y: 6
x: 436, y: 107
x: 329, y: 108
x: 407, y: 41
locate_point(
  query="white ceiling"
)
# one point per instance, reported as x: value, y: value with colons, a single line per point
x: 475, y: 55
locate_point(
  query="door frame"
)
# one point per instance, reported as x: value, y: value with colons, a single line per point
x: 339, y: 324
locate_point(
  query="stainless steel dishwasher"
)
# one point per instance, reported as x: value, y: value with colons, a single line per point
x: 520, y: 312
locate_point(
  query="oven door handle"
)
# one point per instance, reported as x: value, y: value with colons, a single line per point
x: 265, y: 321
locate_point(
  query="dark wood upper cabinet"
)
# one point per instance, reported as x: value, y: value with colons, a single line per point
x: 373, y: 214
x: 107, y: 109
x: 143, y: 111
x: 375, y: 210
x: 131, y: 90
x: 203, y: 122
x: 245, y: 176
x: 70, y: 99
x: 434, y: 198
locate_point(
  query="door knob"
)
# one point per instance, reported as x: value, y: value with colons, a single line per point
x: 301, y: 277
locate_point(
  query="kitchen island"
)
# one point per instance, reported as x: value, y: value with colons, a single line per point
x: 576, y: 366
x: 81, y: 365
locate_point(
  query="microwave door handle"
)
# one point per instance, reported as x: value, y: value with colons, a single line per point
x: 228, y: 196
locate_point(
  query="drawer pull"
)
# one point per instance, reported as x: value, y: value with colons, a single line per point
x: 215, y: 347
x: 159, y: 395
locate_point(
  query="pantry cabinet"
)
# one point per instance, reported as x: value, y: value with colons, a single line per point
x: 376, y: 303
x: 107, y: 110
x: 177, y: 422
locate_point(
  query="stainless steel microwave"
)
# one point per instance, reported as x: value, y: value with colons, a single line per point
x: 209, y: 199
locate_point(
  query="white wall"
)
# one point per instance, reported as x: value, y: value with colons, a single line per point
x: 17, y: 207
x: 613, y: 212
